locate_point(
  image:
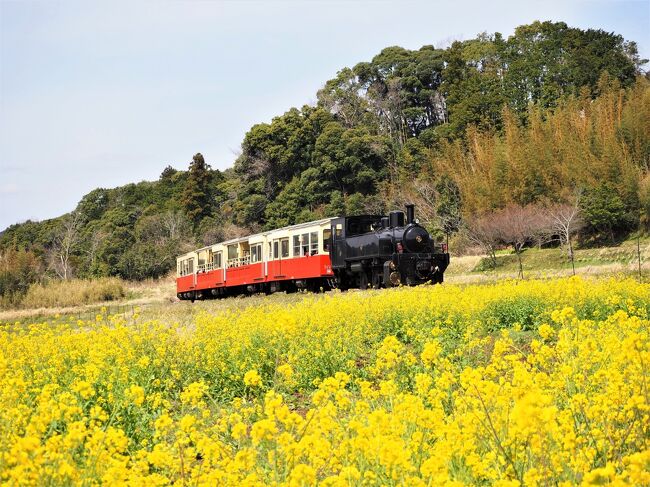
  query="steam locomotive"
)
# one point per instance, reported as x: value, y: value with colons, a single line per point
x: 359, y: 251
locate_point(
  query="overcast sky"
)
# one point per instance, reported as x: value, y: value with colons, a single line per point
x: 97, y: 94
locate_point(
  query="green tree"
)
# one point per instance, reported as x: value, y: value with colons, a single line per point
x: 604, y: 210
x: 18, y: 270
x: 197, y: 196
x: 449, y: 205
x: 472, y: 85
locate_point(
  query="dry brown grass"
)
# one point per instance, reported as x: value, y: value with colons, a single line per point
x: 617, y: 268
x: 75, y: 292
x: 133, y: 294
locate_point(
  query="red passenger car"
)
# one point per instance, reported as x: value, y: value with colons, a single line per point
x: 286, y: 259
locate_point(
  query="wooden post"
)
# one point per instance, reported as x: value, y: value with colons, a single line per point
x: 638, y: 251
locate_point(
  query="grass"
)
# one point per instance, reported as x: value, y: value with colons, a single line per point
x: 83, y: 299
x: 553, y: 262
x: 157, y: 298
x: 74, y: 292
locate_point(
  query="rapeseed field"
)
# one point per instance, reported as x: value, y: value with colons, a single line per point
x: 515, y: 383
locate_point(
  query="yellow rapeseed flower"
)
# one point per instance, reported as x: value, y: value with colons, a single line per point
x: 252, y: 378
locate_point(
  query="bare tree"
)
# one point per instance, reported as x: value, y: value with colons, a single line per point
x: 424, y: 198
x: 484, y: 231
x: 174, y: 224
x: 517, y: 225
x: 96, y: 240
x: 65, y: 241
x: 432, y: 200
x: 565, y: 220
x: 225, y: 231
x: 449, y: 214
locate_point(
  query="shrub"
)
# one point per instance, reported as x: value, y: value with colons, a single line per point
x: 73, y: 292
x: 18, y: 270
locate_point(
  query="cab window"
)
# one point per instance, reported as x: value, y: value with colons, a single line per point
x: 359, y: 225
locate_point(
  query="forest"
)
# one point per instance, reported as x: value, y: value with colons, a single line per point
x: 549, y: 127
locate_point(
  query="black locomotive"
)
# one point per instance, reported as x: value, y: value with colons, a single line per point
x: 384, y: 251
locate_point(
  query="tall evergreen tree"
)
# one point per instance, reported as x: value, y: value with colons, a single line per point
x: 197, y: 195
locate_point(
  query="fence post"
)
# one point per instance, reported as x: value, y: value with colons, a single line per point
x: 638, y: 252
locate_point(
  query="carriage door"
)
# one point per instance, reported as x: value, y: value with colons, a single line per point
x: 275, y: 256
x: 284, y: 253
x: 337, y: 253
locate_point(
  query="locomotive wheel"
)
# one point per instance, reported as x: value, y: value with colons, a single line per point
x: 437, y: 278
x: 377, y: 278
x: 363, y: 280
x: 342, y: 281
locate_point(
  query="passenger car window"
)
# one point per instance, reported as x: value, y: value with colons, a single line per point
x: 296, y: 246
x: 313, y: 243
x: 232, y: 251
x: 305, y: 244
x: 285, y: 247
x: 327, y: 235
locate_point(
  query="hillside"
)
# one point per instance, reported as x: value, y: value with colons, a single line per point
x: 538, y: 117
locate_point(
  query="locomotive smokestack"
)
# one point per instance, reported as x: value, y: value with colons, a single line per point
x: 410, y: 214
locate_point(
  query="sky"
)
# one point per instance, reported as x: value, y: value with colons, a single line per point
x: 100, y: 94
